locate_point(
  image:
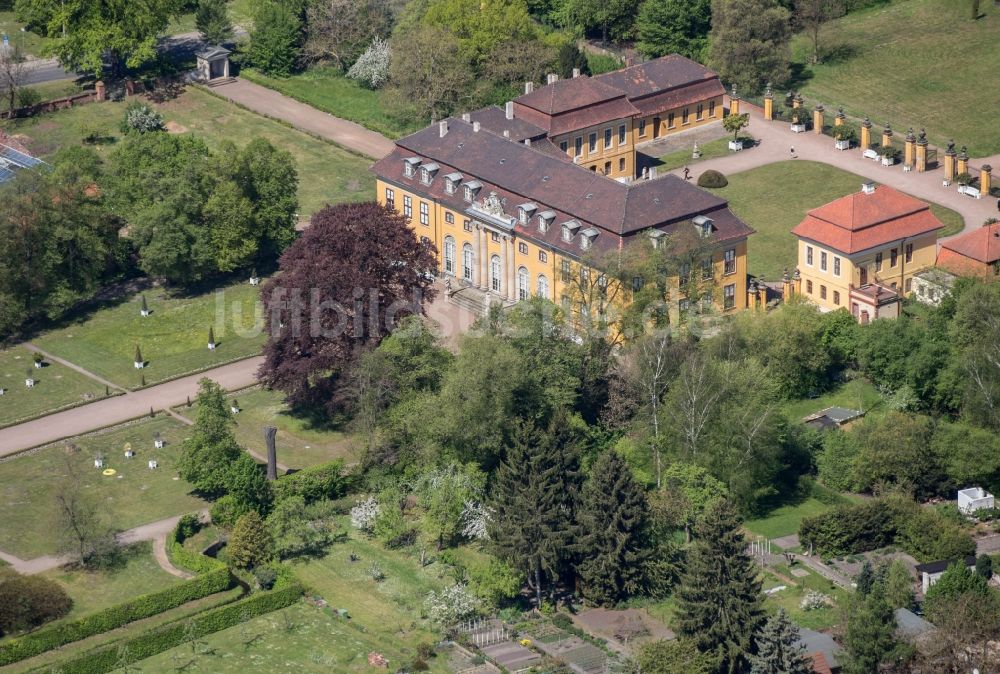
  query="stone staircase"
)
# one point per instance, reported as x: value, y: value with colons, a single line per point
x: 474, y: 300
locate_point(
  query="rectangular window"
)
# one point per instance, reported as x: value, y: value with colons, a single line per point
x: 822, y: 292
x: 607, y: 168
x: 683, y: 304
x: 564, y: 145
x: 621, y: 134
x: 670, y: 120
x: 706, y: 268
x: 684, y: 116
x: 578, y: 146
x: 699, y: 112
x: 809, y: 255
x: 683, y: 274
x: 522, y: 248
x: 592, y: 143
x: 621, y: 164
x: 425, y: 218
x: 449, y: 186
x: 809, y: 286
x: 637, y: 283
x: 836, y: 297
x: 564, y: 269
x: 892, y: 257
x: 730, y: 258
x: 729, y: 296
x: 390, y: 198
x: 495, y: 237
x: 642, y: 127
x: 711, y: 108
x: 822, y: 260
x: 564, y: 300
x: 909, y: 253
x: 407, y: 207
x: 608, y: 139
x: 836, y: 266
x: 468, y: 193
x: 467, y: 225
x: 449, y: 217
x: 543, y: 256
x: 908, y: 285
x: 878, y: 261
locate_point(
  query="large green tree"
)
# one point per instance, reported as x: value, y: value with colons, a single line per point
x: 611, y: 541
x: 208, y: 453
x: 870, y: 638
x: 749, y: 43
x: 212, y: 21
x: 434, y: 79
x: 250, y: 544
x: 275, y: 40
x: 674, y: 27
x: 719, y: 597
x: 673, y: 657
x: 614, y: 19
x: 123, y: 30
x: 778, y: 648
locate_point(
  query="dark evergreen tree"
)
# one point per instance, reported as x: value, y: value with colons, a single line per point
x: 530, y: 525
x: 719, y: 596
x: 212, y: 21
x: 611, y: 527
x: 570, y: 57
x: 208, y: 455
x: 870, y: 637
x: 865, y: 579
x: 250, y: 544
x: 778, y: 650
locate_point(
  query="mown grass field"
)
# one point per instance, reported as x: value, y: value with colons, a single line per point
x: 299, y: 443
x: 173, y: 339
x: 790, y: 598
x: 135, y: 495
x: 785, y: 519
x: 775, y: 198
x: 326, y: 88
x: 327, y: 173
x: 919, y: 63
x: 856, y: 394
x: 713, y: 149
x: 56, y: 387
x: 29, y: 42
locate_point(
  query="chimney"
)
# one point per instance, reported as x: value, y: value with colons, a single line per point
x: 272, y: 455
x: 475, y: 127
x: 509, y: 109
x: 576, y: 72
x: 443, y: 128
x: 868, y: 187
x: 466, y: 117
x: 551, y: 77
x: 527, y: 141
x: 506, y: 134
x: 529, y: 87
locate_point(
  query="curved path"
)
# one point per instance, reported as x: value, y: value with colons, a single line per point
x: 775, y: 141
x: 118, y: 409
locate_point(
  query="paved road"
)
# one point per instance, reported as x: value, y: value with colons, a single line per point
x: 115, y: 410
x: 46, y: 70
x: 776, y: 140
x: 305, y: 117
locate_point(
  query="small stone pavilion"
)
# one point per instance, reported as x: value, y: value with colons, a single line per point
x: 213, y: 64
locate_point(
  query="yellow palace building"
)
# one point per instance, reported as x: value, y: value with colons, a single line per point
x: 518, y: 200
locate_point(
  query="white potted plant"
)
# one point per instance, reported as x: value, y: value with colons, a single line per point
x: 734, y: 124
x: 843, y: 137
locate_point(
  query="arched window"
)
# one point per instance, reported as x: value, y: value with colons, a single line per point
x: 523, y: 284
x: 449, y: 255
x: 543, y: 286
x: 468, y: 259
x: 495, y: 273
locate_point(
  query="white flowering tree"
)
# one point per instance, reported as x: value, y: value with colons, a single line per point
x: 365, y: 514
x: 372, y: 68
x: 443, y: 494
x: 451, y: 605
x: 476, y: 518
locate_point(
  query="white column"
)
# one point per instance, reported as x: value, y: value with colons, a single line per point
x: 477, y: 257
x: 511, y: 274
x: 484, y: 258
x: 504, y: 257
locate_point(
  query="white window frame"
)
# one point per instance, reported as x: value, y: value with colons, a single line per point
x: 836, y: 266
x: 496, y: 274
x: 523, y: 283
x: 809, y: 256
x: 823, y: 262
x: 468, y: 261
x: 425, y: 213
x: 542, y: 286
x: 449, y: 255
x: 407, y: 206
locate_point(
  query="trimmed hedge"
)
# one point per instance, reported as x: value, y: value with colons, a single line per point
x: 326, y: 481
x: 144, y: 606
x: 186, y: 559
x: 107, y: 658
x: 712, y: 179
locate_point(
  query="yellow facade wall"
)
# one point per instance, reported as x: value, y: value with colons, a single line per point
x: 650, y: 127
x: 616, y: 161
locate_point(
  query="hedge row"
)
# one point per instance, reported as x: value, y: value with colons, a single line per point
x: 323, y: 482
x: 190, y: 561
x: 147, y: 644
x: 144, y: 606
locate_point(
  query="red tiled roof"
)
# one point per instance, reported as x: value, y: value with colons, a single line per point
x: 861, y: 221
x: 495, y: 119
x: 820, y: 665
x: 652, y: 77
x: 982, y: 245
x: 570, y: 94
x: 676, y: 98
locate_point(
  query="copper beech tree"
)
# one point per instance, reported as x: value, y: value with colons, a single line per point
x: 344, y: 284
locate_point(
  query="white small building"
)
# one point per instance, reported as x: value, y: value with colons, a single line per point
x: 932, y: 285
x: 974, y: 498
x: 930, y: 573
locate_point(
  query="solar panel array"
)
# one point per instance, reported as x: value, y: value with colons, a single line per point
x: 13, y: 159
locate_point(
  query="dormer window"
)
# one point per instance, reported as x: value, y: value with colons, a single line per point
x: 524, y: 212
x: 410, y: 165
x: 569, y: 230
x: 587, y: 237
x: 427, y: 172
x: 471, y: 188
x: 703, y: 225
x: 545, y: 219
x: 451, y: 182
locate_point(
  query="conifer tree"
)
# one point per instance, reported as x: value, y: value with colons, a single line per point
x: 529, y: 527
x: 250, y: 544
x: 778, y: 650
x: 719, y: 596
x: 138, y: 355
x: 212, y: 447
x: 145, y: 307
x: 870, y: 638
x: 612, y: 522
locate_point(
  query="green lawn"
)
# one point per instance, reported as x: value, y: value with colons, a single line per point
x: 48, y: 91
x: 240, y: 12
x: 135, y: 495
x: 327, y: 173
x: 30, y: 42
x: 300, y: 638
x: 173, y: 338
x: 856, y: 394
x: 326, y: 88
x: 775, y: 198
x: 299, y: 443
x: 785, y: 519
x: 56, y: 387
x: 791, y: 597
x: 713, y: 149
x: 919, y: 63
x: 95, y: 590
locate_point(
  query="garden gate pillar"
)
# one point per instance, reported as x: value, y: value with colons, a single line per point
x: 818, y: 119
x: 984, y: 180
x: 910, y: 148
x: 734, y: 102
x: 768, y: 103
x: 839, y: 119
x: 887, y: 135
x: 922, y: 152
x: 963, y: 161
x: 866, y: 134
x: 100, y: 90
x: 949, y: 162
